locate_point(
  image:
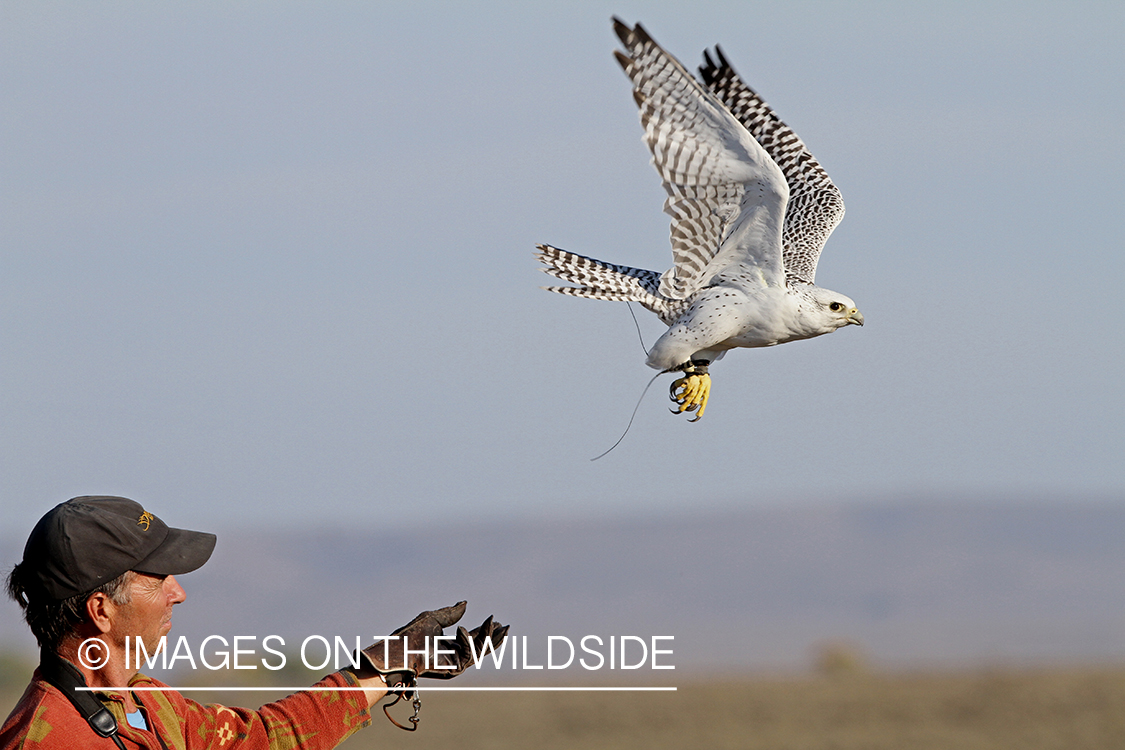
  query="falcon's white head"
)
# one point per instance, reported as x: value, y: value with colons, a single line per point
x: 833, y: 309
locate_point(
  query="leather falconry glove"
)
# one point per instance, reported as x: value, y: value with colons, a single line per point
x: 412, y: 651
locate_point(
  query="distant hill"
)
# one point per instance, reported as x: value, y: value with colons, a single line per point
x: 909, y: 585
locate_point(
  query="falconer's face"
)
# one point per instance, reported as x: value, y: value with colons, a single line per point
x: 148, y: 613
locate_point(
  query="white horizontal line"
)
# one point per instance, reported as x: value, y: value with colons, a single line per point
x: 426, y: 688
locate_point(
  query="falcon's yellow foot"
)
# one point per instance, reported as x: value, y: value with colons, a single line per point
x: 691, y: 391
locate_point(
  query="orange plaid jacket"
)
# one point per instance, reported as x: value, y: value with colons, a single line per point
x: 44, y: 719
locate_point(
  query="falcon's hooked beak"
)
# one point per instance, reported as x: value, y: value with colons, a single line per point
x: 855, y: 316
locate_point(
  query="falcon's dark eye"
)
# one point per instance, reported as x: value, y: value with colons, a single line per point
x: 835, y: 307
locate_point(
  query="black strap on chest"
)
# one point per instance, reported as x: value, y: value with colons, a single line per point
x: 66, y: 677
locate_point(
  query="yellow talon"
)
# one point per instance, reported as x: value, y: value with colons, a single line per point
x: 691, y: 391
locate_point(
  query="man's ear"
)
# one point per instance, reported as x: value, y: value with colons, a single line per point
x: 99, y: 608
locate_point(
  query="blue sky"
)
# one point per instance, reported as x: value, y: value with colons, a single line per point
x: 272, y: 263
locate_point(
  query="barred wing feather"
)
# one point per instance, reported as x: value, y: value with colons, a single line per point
x: 726, y: 196
x: 815, y: 204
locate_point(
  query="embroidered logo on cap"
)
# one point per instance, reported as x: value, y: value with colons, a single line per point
x: 145, y: 519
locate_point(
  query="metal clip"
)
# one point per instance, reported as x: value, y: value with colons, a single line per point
x: 417, y: 707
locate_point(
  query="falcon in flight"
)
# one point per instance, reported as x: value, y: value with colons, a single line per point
x: 751, y: 210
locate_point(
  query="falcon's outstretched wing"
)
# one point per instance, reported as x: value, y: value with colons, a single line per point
x: 815, y: 205
x: 726, y: 195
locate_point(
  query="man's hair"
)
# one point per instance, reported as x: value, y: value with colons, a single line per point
x: 52, y: 620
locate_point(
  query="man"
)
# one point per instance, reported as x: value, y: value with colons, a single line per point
x: 100, y: 572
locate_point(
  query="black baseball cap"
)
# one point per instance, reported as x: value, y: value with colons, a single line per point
x: 88, y: 541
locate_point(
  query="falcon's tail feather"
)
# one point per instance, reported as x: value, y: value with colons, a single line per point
x: 600, y: 280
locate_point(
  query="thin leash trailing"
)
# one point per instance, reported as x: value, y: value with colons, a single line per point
x: 635, y: 409
x: 633, y: 416
x: 637, y: 324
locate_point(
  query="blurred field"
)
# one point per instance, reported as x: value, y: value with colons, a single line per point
x: 1031, y: 710
x: 1034, y: 710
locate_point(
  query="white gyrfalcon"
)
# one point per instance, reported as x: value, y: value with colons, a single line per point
x: 751, y: 210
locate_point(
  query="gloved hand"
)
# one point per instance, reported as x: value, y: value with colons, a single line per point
x: 412, y: 650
